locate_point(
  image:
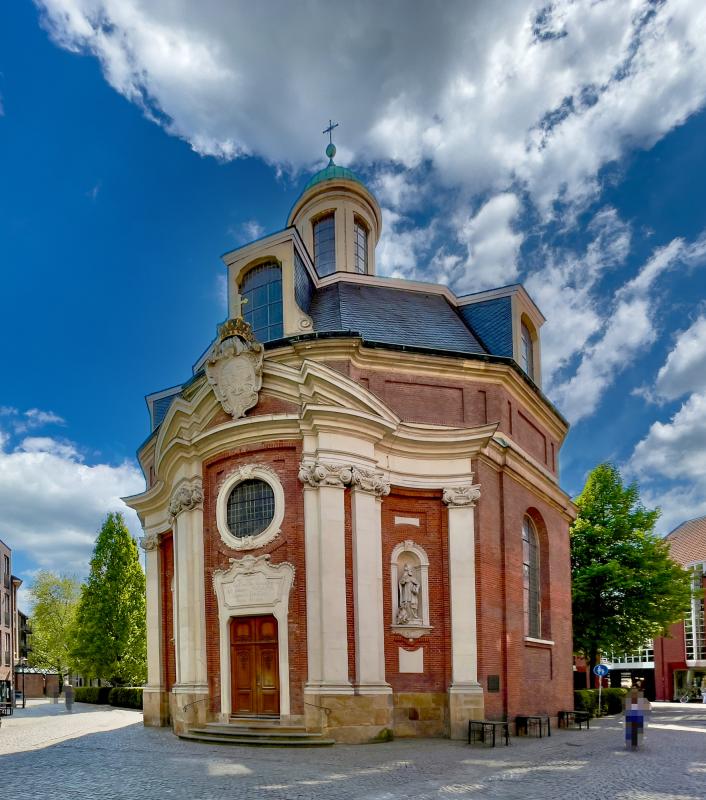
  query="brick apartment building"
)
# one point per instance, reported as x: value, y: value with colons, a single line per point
x: 353, y: 518
x: 673, y: 666
x: 9, y: 584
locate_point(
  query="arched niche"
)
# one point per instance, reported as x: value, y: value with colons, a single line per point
x: 409, y: 585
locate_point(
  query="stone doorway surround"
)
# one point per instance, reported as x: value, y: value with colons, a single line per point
x: 251, y: 587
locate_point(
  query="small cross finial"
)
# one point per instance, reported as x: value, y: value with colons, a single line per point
x: 331, y: 147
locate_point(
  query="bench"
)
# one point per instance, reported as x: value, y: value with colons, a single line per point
x: 528, y: 723
x: 574, y: 719
x: 5, y: 709
x: 479, y: 729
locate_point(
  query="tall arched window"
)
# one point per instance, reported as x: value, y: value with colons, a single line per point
x: 325, y: 244
x: 527, y: 351
x: 360, y: 246
x: 530, y: 577
x: 262, y: 288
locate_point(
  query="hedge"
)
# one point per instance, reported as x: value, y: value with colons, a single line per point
x: 122, y: 696
x: 92, y: 694
x: 612, y: 700
x: 126, y: 697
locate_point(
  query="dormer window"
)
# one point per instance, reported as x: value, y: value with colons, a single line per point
x: 262, y: 289
x: 527, y: 350
x: 325, y: 244
x: 360, y: 246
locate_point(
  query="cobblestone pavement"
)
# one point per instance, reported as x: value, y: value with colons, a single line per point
x: 102, y: 753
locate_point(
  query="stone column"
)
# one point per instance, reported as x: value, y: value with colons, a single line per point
x: 368, y: 489
x: 155, y: 706
x: 325, y: 554
x: 465, y: 693
x: 191, y: 688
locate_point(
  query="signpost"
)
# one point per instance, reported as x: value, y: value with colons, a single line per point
x: 601, y: 670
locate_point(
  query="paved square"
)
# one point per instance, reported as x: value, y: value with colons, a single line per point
x: 100, y: 753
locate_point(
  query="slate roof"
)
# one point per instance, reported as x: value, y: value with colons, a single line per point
x: 492, y: 322
x: 393, y: 316
x: 687, y: 542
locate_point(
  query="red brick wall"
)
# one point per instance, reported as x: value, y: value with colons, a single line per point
x: 166, y: 561
x: 432, y: 536
x: 446, y: 401
x: 37, y: 685
x: 534, y: 677
x: 670, y: 654
x: 284, y: 459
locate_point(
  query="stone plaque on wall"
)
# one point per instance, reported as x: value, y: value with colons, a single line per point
x: 411, y: 660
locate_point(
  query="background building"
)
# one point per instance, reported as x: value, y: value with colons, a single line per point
x: 353, y: 519
x: 8, y: 603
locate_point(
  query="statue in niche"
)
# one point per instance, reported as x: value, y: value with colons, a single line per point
x: 408, y: 607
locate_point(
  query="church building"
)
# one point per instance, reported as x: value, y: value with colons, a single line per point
x: 353, y: 520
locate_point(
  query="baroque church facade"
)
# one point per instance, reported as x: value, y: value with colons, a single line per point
x: 353, y: 520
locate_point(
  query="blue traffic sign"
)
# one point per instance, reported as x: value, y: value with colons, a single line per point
x: 601, y: 670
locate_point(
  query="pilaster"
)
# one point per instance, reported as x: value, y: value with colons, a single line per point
x: 465, y: 693
x: 325, y: 553
x: 368, y: 489
x: 155, y: 707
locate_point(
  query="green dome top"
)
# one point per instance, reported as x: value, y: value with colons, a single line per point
x: 332, y: 172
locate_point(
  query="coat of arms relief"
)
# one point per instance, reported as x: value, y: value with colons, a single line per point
x: 234, y: 367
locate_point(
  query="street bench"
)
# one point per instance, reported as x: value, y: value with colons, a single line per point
x: 528, y: 724
x: 574, y: 719
x: 482, y: 729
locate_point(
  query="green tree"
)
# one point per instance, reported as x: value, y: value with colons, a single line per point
x: 110, y: 642
x: 625, y: 587
x: 55, y: 600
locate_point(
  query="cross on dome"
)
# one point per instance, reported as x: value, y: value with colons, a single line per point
x: 330, y: 147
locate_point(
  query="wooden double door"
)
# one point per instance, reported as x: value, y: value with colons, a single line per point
x: 254, y: 666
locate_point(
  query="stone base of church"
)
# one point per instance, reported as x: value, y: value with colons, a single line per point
x: 420, y: 714
x: 188, y: 707
x: 465, y: 703
x: 353, y: 719
x: 155, y: 707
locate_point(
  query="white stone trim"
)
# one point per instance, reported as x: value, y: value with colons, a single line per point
x: 532, y: 640
x: 254, y: 587
x: 248, y: 472
x: 412, y: 631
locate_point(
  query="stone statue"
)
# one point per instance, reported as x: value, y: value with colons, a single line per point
x: 408, y: 608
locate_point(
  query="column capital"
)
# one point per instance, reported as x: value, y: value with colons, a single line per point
x: 461, y: 496
x: 150, y: 541
x: 320, y: 473
x: 187, y: 496
x: 368, y: 480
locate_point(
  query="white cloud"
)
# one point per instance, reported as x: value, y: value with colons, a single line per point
x: 685, y: 368
x: 492, y: 244
x: 52, y: 503
x: 491, y: 95
x: 33, y: 418
x: 400, y: 246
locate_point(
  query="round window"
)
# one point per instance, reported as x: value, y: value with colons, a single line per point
x: 251, y: 508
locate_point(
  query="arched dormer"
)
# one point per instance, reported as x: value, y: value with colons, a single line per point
x: 529, y: 348
x: 339, y: 221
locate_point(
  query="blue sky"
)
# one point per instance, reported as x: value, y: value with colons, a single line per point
x: 562, y: 147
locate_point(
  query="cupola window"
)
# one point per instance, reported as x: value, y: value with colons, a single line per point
x: 325, y: 244
x: 251, y: 508
x: 360, y: 244
x: 262, y: 289
x: 527, y: 352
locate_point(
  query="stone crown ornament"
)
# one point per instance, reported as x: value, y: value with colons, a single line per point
x: 320, y: 473
x: 234, y: 367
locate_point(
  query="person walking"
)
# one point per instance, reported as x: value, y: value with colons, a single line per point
x: 69, y: 697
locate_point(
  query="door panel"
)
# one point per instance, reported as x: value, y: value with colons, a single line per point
x: 254, y: 666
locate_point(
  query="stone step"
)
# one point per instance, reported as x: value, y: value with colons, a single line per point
x: 261, y: 740
x: 247, y: 731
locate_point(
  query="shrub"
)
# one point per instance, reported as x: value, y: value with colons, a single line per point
x: 611, y: 700
x: 92, y: 694
x: 586, y: 700
x: 126, y: 696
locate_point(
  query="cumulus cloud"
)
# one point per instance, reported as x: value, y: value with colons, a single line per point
x: 685, y: 368
x: 400, y: 246
x: 492, y: 243
x: 52, y: 503
x: 491, y: 95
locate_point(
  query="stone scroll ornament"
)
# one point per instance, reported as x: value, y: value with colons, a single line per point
x: 321, y: 474
x: 186, y: 497
x: 461, y: 496
x: 234, y: 367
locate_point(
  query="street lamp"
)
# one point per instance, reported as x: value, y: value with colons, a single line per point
x: 23, y: 664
